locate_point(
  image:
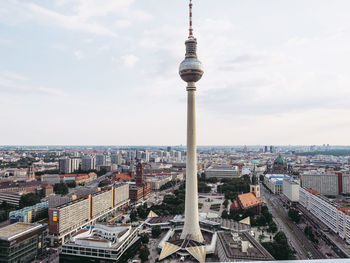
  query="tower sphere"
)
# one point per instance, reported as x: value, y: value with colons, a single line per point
x: 191, y: 69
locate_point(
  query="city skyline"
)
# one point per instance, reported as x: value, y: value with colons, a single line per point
x: 77, y: 73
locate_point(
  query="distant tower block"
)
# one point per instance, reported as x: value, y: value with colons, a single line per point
x: 140, y: 175
x: 191, y: 71
x: 31, y: 173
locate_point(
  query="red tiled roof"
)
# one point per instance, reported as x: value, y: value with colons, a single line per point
x: 248, y: 200
x: 312, y: 191
x: 123, y: 176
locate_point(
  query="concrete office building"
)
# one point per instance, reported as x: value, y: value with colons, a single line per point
x: 72, y: 216
x: 22, y: 242
x: 336, y: 183
x: 291, y: 190
x: 223, y: 172
x: 332, y: 214
x: 102, y: 242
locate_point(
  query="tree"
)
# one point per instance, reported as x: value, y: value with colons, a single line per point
x: 142, y: 212
x: 156, y: 231
x: 203, y: 187
x: 279, y: 248
x: 225, y: 203
x: 294, y: 215
x: 61, y: 189
x: 144, y: 239
x: 133, y: 216
x: 224, y: 214
x: 144, y: 253
x: 309, y: 233
x: 72, y: 184
x: 5, y: 206
x: 28, y: 200
x: 272, y: 227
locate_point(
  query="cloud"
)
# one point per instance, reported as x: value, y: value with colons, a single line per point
x: 88, y: 16
x: 15, y: 84
x: 129, y: 61
x: 79, y: 55
x: 122, y: 23
x: 70, y: 22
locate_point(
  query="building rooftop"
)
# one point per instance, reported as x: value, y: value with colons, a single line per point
x: 248, y: 199
x: 17, y: 229
x: 242, y: 247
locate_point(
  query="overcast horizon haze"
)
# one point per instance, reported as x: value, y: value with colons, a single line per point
x: 76, y: 72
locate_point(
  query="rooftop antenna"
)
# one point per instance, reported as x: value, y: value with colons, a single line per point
x: 191, y: 28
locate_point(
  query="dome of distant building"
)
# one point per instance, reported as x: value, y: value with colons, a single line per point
x: 279, y: 166
x: 279, y: 160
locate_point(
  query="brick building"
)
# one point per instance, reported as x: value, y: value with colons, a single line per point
x: 141, y: 189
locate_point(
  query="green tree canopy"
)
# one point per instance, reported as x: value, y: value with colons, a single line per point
x: 61, y: 189
x: 294, y: 215
x: 156, y: 231
x: 144, y: 253
x: 29, y: 200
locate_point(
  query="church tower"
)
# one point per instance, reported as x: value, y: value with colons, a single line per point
x: 255, y: 187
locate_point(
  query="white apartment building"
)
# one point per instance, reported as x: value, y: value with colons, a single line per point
x: 223, y: 172
x: 291, y: 190
x: 274, y: 182
x: 68, y: 165
x: 335, y: 217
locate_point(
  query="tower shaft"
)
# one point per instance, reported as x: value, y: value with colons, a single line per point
x: 191, y: 228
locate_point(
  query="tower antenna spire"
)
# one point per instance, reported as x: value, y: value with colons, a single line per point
x: 191, y: 28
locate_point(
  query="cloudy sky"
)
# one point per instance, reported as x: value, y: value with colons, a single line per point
x: 105, y: 72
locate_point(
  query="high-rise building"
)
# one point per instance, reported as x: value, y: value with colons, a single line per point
x: 178, y: 156
x: 64, y: 165
x: 75, y: 164
x: 140, y: 175
x: 100, y: 159
x: 68, y: 165
x: 88, y: 163
x: 31, y: 173
x: 147, y: 156
x: 115, y: 158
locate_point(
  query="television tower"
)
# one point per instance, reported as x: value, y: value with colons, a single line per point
x: 191, y: 71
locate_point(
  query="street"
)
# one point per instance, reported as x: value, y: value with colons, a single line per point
x: 295, y: 236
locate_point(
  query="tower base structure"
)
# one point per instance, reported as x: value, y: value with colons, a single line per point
x: 174, y: 244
